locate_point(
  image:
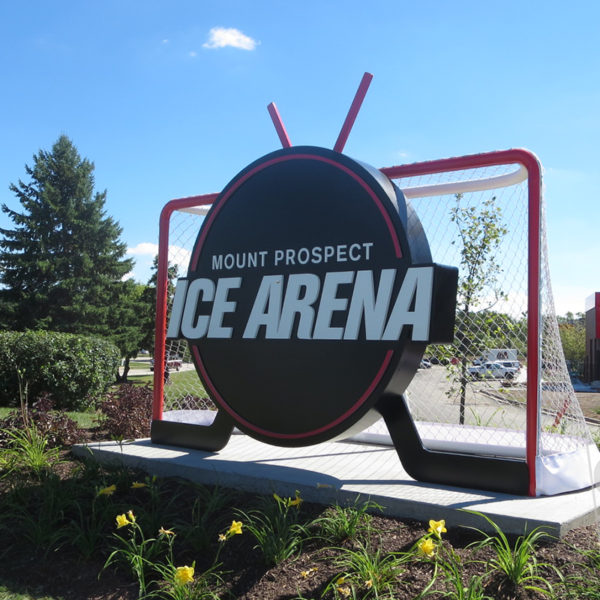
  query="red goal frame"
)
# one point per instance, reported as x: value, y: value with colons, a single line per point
x: 521, y: 157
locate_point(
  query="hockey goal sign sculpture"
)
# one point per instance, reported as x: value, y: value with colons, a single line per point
x: 519, y: 429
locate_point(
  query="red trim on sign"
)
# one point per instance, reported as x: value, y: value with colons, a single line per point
x: 534, y: 170
x: 293, y: 436
x: 216, y: 209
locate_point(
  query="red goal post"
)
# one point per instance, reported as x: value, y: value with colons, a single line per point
x: 534, y: 182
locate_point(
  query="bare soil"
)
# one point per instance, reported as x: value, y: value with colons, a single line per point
x: 590, y: 405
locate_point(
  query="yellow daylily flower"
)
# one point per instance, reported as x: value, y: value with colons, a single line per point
x: 236, y: 528
x: 437, y: 527
x: 344, y: 591
x: 222, y: 537
x: 122, y: 521
x: 427, y: 547
x: 163, y: 531
x: 136, y: 485
x: 184, y: 575
x: 108, y: 491
x: 297, y: 501
x: 131, y: 516
x: 369, y: 584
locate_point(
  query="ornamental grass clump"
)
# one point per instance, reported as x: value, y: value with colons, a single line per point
x: 352, y: 523
x: 366, y: 572
x: 27, y: 450
x: 277, y: 528
x: 516, y: 563
x: 208, y: 516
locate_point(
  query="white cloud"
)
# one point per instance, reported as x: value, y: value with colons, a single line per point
x: 220, y: 37
x: 143, y: 248
x: 193, y: 54
x: 145, y: 253
x: 180, y: 257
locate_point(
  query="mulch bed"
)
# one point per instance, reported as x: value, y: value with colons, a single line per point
x: 61, y: 574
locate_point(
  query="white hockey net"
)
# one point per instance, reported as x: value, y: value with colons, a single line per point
x: 471, y: 396
x: 479, y: 220
x: 182, y: 390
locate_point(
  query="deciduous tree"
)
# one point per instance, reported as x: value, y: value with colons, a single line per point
x: 480, y: 232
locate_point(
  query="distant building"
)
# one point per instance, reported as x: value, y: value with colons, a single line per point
x: 592, y: 338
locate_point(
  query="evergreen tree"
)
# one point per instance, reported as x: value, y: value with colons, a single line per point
x: 149, y: 298
x: 62, y: 265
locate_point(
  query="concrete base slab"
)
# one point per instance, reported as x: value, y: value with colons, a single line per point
x: 341, y: 472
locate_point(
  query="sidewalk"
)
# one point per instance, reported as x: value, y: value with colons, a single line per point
x: 342, y: 471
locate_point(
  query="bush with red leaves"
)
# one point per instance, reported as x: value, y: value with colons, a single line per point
x: 54, y: 425
x: 127, y: 412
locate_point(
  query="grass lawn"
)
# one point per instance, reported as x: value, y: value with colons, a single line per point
x: 86, y: 420
x: 180, y: 383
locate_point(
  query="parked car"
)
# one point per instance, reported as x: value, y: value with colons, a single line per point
x: 172, y: 363
x: 425, y: 364
x: 515, y: 364
x: 495, y: 370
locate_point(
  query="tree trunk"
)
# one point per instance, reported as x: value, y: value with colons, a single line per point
x: 122, y: 378
x: 463, y: 390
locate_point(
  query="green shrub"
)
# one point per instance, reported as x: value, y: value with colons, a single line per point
x: 73, y: 369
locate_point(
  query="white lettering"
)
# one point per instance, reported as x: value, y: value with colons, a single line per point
x: 240, y: 260
x: 365, y: 305
x: 221, y: 306
x: 329, y: 252
x: 198, y: 290
x: 266, y: 309
x: 416, y: 290
x: 331, y: 303
x: 301, y: 293
x: 289, y: 308
x: 303, y: 256
x: 354, y: 256
x: 173, y: 330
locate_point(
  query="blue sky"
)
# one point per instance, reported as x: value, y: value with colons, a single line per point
x: 165, y: 108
